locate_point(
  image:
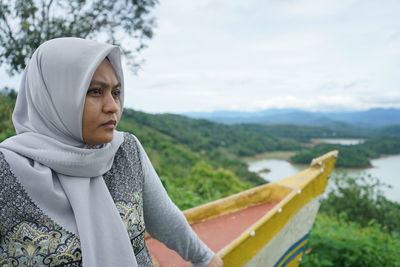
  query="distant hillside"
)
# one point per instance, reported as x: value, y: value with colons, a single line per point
x: 203, y: 135
x: 390, y: 131
x: 354, y: 156
x: 372, y: 118
x: 191, y: 177
x: 299, y: 132
x: 199, y: 160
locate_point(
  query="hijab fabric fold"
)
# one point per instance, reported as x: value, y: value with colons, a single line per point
x: 48, y: 155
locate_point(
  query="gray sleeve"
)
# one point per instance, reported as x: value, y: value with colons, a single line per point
x: 165, y: 222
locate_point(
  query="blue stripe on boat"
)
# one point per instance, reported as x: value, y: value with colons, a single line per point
x: 292, y: 247
x: 301, y: 249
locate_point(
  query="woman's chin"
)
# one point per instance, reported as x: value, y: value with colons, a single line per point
x: 100, y: 139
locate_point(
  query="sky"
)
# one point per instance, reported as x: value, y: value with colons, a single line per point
x: 260, y: 54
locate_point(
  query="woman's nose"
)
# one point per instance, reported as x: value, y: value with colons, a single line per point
x: 111, y: 104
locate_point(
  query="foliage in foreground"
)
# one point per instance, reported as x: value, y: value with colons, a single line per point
x: 361, y: 199
x: 204, y: 184
x: 338, y: 242
x: 357, y: 226
x: 7, y: 102
x: 190, y: 178
x: 24, y: 25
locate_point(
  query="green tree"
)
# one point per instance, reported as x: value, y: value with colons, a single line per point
x: 213, y: 184
x: 7, y: 102
x: 25, y: 24
x: 357, y: 226
x: 361, y: 199
x: 337, y: 242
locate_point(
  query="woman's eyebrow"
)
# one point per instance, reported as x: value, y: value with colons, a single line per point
x: 103, y: 84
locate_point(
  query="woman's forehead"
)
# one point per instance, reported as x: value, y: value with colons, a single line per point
x: 105, y: 72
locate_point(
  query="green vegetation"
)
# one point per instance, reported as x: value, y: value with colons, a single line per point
x: 389, y: 131
x: 356, y: 226
x: 338, y: 242
x: 190, y: 177
x: 352, y: 156
x: 264, y: 170
x: 297, y: 132
x: 7, y: 102
x: 361, y: 200
x: 221, y: 146
x: 204, y: 185
x: 203, y: 136
x: 24, y: 25
x: 282, y: 155
x: 199, y: 161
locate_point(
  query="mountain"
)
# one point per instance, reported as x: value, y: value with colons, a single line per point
x: 372, y: 118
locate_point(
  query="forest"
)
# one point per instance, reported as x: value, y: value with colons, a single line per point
x: 355, y: 155
x: 199, y: 161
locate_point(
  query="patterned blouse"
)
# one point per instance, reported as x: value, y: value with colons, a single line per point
x: 28, y: 237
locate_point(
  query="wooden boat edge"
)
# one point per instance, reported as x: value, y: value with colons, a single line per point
x: 295, y: 192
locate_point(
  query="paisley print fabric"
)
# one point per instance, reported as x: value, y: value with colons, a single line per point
x: 28, y: 237
x: 29, y: 244
x: 125, y: 182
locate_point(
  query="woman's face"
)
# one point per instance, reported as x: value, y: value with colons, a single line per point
x: 102, y: 106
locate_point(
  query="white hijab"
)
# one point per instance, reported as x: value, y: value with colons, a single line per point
x: 48, y: 156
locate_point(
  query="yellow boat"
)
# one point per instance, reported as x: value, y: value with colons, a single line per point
x: 264, y: 226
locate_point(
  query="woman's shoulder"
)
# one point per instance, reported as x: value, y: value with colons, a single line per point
x: 129, y: 151
x: 131, y: 143
x: 4, y: 166
x: 130, y: 137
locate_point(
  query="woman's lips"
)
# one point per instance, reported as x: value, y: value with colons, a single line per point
x: 110, y: 124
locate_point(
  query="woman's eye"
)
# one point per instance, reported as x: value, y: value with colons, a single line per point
x: 116, y: 93
x: 94, y: 91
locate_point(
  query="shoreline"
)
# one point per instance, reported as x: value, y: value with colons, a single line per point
x: 285, y: 155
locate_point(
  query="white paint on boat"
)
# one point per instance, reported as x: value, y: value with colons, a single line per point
x: 298, y: 226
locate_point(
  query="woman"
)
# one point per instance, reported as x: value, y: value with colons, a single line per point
x: 73, y: 190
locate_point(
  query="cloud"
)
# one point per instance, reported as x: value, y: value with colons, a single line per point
x: 252, y: 55
x: 255, y: 54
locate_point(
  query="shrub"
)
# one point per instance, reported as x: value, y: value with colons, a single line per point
x: 338, y: 242
x: 362, y: 200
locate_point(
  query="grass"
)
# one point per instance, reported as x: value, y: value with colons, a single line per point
x: 282, y: 155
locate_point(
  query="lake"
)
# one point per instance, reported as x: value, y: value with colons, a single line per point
x: 338, y: 141
x: 385, y: 168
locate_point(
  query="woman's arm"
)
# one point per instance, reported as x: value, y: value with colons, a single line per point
x: 215, y: 262
x: 166, y: 223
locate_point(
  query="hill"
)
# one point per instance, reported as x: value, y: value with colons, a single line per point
x: 197, y: 160
x: 200, y: 160
x: 193, y: 174
x: 372, y: 118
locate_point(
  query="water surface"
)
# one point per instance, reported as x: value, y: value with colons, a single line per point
x: 386, y: 169
x: 339, y: 141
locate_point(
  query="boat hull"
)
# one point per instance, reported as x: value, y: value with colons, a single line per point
x: 288, y: 245
x: 278, y: 235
